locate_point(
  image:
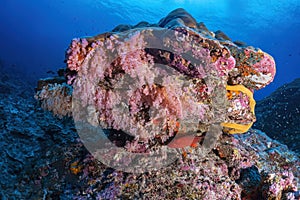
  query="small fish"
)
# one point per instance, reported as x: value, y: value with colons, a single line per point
x: 184, y: 141
x: 240, y: 43
x: 50, y: 72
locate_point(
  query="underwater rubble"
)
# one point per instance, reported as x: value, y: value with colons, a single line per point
x: 44, y: 156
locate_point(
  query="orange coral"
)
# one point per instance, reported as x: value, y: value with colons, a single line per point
x: 75, y: 167
x: 233, y: 128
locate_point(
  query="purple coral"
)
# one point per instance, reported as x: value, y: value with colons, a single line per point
x: 123, y: 88
x: 225, y: 65
x: 76, y: 53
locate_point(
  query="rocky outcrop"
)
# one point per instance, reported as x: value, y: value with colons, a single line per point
x: 43, y: 156
x: 279, y: 115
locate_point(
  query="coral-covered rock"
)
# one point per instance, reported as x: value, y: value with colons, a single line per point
x: 51, y: 80
x: 280, y: 112
x: 199, y: 66
x: 56, y: 98
x: 170, y: 85
x: 240, y: 167
x: 42, y: 157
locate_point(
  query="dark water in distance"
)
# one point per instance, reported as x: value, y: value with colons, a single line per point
x: 35, y: 33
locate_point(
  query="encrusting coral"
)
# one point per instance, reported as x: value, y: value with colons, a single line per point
x: 234, y: 127
x: 171, y: 81
x: 213, y: 61
x: 173, y: 84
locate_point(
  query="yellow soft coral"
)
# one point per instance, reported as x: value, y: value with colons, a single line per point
x: 75, y: 167
x: 234, y: 128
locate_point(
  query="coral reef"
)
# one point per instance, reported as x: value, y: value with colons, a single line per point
x: 51, y: 94
x: 171, y: 84
x: 43, y: 158
x: 202, y: 64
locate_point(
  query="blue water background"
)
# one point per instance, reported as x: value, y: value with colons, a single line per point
x: 35, y: 33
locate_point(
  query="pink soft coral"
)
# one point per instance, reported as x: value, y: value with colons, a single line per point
x: 76, y: 53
